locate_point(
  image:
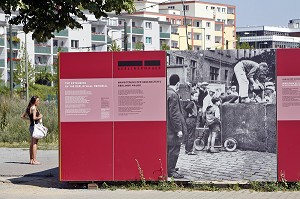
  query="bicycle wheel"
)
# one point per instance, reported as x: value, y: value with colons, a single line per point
x: 230, y: 144
x: 199, y: 144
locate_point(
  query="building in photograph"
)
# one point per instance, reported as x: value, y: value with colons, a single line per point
x: 271, y: 37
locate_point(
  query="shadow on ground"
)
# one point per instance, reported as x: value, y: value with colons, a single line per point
x: 46, y: 179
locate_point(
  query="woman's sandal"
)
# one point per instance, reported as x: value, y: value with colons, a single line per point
x: 35, y: 163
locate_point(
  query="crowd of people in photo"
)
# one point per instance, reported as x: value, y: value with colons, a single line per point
x: 202, y: 110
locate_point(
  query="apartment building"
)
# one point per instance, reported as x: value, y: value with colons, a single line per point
x: 96, y: 35
x: 207, y: 26
x: 270, y: 36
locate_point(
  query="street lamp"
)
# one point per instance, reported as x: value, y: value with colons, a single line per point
x: 7, y: 18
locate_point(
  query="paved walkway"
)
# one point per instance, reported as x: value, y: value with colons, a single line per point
x: 18, y: 180
x: 242, y: 166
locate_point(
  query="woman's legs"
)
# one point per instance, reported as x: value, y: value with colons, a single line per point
x: 34, y: 150
x: 31, y: 151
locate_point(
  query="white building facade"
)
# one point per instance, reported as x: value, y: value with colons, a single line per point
x: 270, y: 36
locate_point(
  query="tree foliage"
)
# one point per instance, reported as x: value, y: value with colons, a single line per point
x: 114, y: 47
x: 44, y: 17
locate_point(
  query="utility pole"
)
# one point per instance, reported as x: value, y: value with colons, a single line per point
x: 10, y: 62
x: 26, y: 69
x: 125, y: 36
x: 186, y: 31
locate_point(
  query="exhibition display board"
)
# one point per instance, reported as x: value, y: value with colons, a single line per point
x: 114, y: 108
x: 112, y: 116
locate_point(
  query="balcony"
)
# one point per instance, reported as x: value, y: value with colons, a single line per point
x: 43, y: 68
x: 15, y: 45
x: 98, y: 37
x: 63, y: 33
x: 128, y: 45
x: 2, y: 63
x: 61, y: 49
x: 1, y: 41
x: 137, y: 30
x: 108, y: 40
x: 164, y: 35
x: 42, y: 49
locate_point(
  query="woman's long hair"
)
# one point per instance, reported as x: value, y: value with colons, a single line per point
x: 31, y: 103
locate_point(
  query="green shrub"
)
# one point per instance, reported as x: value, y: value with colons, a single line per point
x: 15, y: 130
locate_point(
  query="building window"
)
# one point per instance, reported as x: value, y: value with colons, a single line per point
x: 179, y: 60
x: 208, y: 37
x: 226, y: 75
x: 55, y: 42
x: 186, y: 7
x: 133, y: 24
x: 93, y: 29
x: 74, y: 43
x: 219, y: 9
x: 133, y: 39
x: 223, y: 10
x: 193, y: 63
x: 193, y: 74
x: 197, y: 24
x: 206, y: 7
x: 148, y: 40
x: 174, y: 45
x: 171, y: 7
x: 120, y: 22
x: 148, y: 25
x: 160, y: 29
x: 208, y: 24
x: 214, y: 73
x: 212, y: 8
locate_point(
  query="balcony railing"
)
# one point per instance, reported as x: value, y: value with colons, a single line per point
x: 15, y: 45
x: 2, y: 63
x: 42, y: 49
x: 128, y: 45
x: 63, y: 33
x: 136, y: 30
x: 62, y: 49
x: 165, y: 35
x: 96, y: 37
x: 1, y: 41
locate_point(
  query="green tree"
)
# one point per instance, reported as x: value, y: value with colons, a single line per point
x: 19, y: 74
x: 114, y: 47
x: 43, y: 76
x: 44, y: 17
x: 139, y: 46
x: 242, y: 45
x: 165, y: 46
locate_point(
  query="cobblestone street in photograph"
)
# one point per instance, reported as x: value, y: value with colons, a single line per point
x: 228, y: 166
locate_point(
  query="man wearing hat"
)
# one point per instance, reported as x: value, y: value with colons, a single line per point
x: 207, y: 100
x: 270, y: 93
x: 246, y: 72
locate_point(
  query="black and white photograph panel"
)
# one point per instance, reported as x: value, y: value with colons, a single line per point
x: 221, y: 107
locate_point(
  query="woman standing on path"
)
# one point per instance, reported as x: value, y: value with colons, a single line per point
x: 32, y: 113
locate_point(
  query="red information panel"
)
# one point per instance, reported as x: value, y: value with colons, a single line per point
x: 288, y: 107
x: 112, y: 116
x: 86, y: 139
x: 140, y: 125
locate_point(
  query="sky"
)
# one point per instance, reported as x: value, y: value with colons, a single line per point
x: 263, y: 12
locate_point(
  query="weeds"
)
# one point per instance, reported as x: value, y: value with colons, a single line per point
x: 15, y: 130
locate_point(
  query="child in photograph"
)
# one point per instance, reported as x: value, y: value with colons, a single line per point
x: 213, y: 122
